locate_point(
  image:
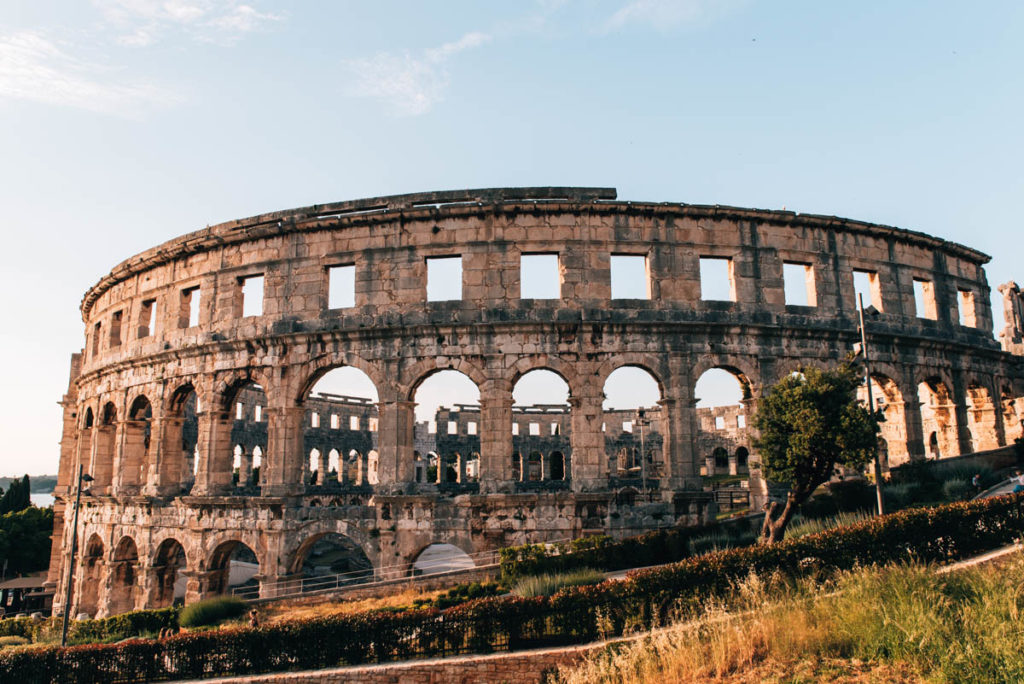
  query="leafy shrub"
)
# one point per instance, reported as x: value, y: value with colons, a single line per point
x: 211, y: 611
x: 546, y: 585
x: 460, y: 593
x: 572, y: 615
x: 801, y: 527
x: 957, y: 489
x: 718, y: 540
x: 115, y: 628
x: 13, y: 641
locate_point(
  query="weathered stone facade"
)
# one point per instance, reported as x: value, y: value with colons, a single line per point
x: 170, y: 328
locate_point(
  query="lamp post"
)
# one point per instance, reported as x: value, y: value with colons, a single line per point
x: 871, y: 401
x: 82, y: 477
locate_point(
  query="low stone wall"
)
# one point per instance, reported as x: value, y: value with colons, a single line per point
x: 521, y: 667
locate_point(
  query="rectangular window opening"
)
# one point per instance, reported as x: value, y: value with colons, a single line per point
x: 453, y: 427
x: 924, y: 299
x: 554, y: 429
x: 147, y: 318
x: 314, y: 419
x: 798, y: 281
x: 968, y: 315
x: 719, y: 422
x: 341, y: 287
x: 630, y: 277
x: 539, y: 277
x: 371, y: 424
x: 741, y: 421
x: 717, y: 283
x: 239, y: 410
x: 867, y: 286
x: 251, y: 291
x: 470, y: 428
x: 627, y: 426
x: 189, y: 316
x: 96, y: 337
x: 353, y: 422
x: 115, y: 329
x: 515, y: 428
x: 335, y: 421
x: 444, y: 278
x: 257, y: 413
x: 535, y: 429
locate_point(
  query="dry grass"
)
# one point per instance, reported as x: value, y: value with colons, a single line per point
x: 897, y: 624
x: 285, y: 611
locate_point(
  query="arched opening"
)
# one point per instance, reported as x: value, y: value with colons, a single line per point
x: 257, y: 464
x: 722, y: 395
x: 341, y: 418
x: 742, y: 455
x: 448, y: 409
x: 333, y: 466
x: 181, y: 442
x: 102, y: 465
x: 331, y: 559
x: 233, y: 565
x: 634, y: 425
x: 517, y: 466
x: 168, y: 582
x: 124, y: 584
x: 88, y: 419
x: 981, y: 418
x: 889, y: 401
x: 315, y: 472
x: 542, y: 423
x: 135, y: 448
x: 933, y: 446
x: 240, y: 421
x: 557, y: 465
x: 938, y: 417
x: 438, y: 558
x: 91, y: 577
x: 1011, y: 419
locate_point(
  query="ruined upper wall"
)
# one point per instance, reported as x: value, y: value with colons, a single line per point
x: 389, y: 239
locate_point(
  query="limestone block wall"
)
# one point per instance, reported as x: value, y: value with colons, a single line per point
x: 185, y: 324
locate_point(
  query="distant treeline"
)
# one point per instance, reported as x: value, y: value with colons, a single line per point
x: 41, y: 484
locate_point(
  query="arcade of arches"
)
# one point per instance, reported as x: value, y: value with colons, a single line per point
x: 225, y: 455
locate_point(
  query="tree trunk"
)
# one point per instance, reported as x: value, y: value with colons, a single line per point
x: 774, y: 528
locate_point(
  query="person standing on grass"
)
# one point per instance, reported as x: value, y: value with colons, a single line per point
x: 976, y: 483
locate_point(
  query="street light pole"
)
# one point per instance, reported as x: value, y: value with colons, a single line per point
x: 82, y: 477
x: 871, y: 401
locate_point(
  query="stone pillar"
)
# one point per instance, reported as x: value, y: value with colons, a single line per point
x: 321, y: 468
x: 199, y: 583
x: 213, y: 477
x: 681, y: 467
x: 166, y: 457
x: 914, y: 430
x: 589, y: 459
x: 495, y: 438
x: 396, y: 439
x: 245, y: 468
x: 101, y: 459
x: 284, y: 461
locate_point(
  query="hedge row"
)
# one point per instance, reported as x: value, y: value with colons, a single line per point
x: 113, y: 628
x: 600, y: 551
x: 573, y: 615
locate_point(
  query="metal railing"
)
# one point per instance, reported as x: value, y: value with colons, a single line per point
x: 389, y: 574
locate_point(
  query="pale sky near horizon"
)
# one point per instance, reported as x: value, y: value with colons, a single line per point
x: 124, y: 123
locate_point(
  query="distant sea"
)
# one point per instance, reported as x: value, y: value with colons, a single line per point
x: 42, y: 500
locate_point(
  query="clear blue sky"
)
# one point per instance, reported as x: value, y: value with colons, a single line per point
x: 124, y: 123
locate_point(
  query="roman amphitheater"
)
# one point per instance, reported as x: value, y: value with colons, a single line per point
x: 196, y: 404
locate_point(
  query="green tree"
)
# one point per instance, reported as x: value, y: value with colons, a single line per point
x: 808, y: 425
x: 17, y: 497
x: 25, y: 539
